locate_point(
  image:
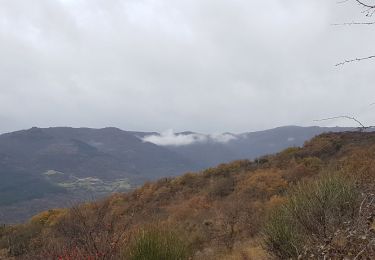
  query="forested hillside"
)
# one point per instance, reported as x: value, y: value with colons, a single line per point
x: 320, y: 195
x: 42, y: 168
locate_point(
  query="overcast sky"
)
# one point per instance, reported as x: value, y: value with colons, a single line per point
x: 201, y: 65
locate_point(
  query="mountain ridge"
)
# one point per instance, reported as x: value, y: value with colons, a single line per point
x: 280, y: 206
x: 95, y: 162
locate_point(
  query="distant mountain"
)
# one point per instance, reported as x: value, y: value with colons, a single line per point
x: 206, y: 152
x: 284, y: 206
x: 107, y: 153
x: 58, y: 165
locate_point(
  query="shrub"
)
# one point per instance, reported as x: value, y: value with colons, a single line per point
x: 235, y: 219
x: 263, y: 184
x: 49, y: 217
x: 313, y: 163
x: 314, y: 210
x: 19, y: 238
x: 155, y: 244
x: 85, y: 231
x: 281, y: 235
x: 221, y: 187
x: 323, y: 204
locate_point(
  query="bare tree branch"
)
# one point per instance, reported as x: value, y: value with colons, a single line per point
x: 361, y: 127
x: 343, y: 1
x: 354, y: 60
x: 371, y: 6
x: 353, y: 23
x: 370, y: 10
x: 340, y: 117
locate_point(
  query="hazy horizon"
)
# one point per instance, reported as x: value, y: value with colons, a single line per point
x: 170, y: 130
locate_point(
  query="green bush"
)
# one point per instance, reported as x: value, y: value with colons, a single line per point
x: 314, y: 210
x: 323, y: 204
x: 281, y: 235
x: 155, y: 244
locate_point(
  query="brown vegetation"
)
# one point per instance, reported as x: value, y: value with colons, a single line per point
x: 224, y: 212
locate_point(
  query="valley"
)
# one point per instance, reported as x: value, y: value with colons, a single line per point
x: 44, y: 167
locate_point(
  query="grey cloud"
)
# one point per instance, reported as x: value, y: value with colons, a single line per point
x: 201, y: 65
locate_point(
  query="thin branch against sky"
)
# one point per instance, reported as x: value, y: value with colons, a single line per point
x: 355, y: 60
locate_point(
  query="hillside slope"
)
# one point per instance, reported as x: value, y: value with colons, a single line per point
x: 219, y: 212
x: 250, y: 145
x: 55, y: 167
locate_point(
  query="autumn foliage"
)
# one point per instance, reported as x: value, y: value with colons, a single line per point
x: 219, y: 213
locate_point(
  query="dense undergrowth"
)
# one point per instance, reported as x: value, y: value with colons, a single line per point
x: 310, y: 202
x: 313, y: 212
